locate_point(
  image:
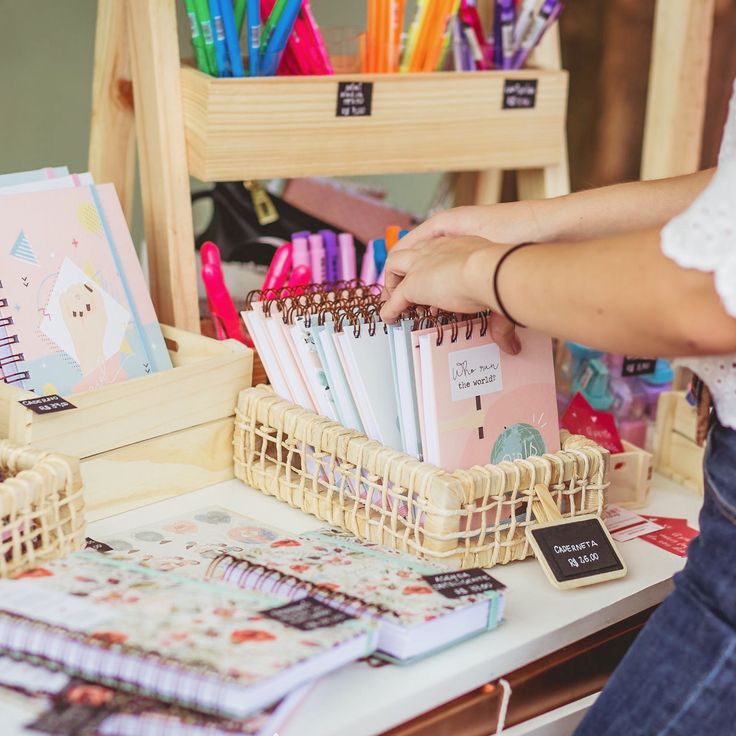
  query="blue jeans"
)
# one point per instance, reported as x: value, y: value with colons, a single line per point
x: 679, y: 677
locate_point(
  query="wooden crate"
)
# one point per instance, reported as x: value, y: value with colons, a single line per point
x: 676, y: 453
x: 288, y: 126
x: 148, y: 438
x: 630, y: 477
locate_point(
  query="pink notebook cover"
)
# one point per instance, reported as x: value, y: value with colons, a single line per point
x: 75, y: 312
x: 483, y: 406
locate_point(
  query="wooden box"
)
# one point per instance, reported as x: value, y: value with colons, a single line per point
x: 676, y: 452
x: 148, y: 438
x: 290, y: 126
x: 630, y: 477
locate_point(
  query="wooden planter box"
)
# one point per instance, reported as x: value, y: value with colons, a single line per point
x: 148, y: 438
x: 289, y: 126
x: 630, y: 477
x: 676, y: 453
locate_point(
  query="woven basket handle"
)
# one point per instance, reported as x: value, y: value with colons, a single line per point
x: 544, y: 507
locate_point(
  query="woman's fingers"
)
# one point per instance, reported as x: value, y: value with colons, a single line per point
x: 397, y: 264
x: 395, y: 306
x: 503, y: 332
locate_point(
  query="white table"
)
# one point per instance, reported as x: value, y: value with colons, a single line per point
x: 360, y: 700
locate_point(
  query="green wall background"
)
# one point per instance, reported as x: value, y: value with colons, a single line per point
x: 46, y: 57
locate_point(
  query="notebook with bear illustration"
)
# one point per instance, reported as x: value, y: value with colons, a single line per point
x: 205, y: 646
x: 420, y: 606
x: 481, y: 405
x: 75, y: 312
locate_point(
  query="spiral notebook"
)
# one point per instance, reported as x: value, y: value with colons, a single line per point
x: 75, y: 312
x: 360, y: 578
x: 204, y: 646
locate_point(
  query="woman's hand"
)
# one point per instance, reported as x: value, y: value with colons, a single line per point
x: 450, y: 273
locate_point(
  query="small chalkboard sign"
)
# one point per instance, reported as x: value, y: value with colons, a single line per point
x: 638, y: 367
x: 459, y: 583
x: 354, y: 99
x: 576, y: 552
x: 308, y: 614
x: 47, y: 404
x: 519, y: 94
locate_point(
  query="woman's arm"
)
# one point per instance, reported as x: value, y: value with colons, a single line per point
x: 580, y: 216
x: 618, y: 293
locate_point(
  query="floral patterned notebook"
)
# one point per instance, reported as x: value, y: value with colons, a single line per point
x: 208, y: 647
x: 362, y: 578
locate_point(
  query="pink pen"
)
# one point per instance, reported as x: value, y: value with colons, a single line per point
x: 300, y: 276
x: 347, y: 257
x: 368, y: 273
x: 278, y: 271
x: 299, y: 250
x: 317, y: 258
x: 219, y: 301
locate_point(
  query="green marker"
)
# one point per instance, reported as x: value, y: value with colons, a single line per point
x: 200, y: 54
x: 239, y: 9
x: 273, y: 19
x: 202, y: 11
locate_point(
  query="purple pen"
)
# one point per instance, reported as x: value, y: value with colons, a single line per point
x: 329, y: 239
x: 507, y: 21
x: 317, y: 259
x: 368, y: 273
x: 300, y: 250
x: 548, y: 14
x: 347, y: 257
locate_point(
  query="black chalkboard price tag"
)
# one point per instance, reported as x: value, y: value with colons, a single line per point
x: 519, y: 94
x: 354, y: 99
x: 576, y: 552
x: 638, y: 367
x: 308, y: 614
x: 459, y: 583
x: 47, y: 404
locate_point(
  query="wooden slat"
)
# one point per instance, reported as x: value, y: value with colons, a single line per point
x: 677, y: 87
x: 263, y: 128
x: 112, y: 129
x: 167, y: 211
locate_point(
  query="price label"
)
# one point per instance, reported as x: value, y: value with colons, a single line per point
x: 47, y: 404
x: 460, y: 583
x: 308, y: 614
x: 638, y: 367
x: 576, y: 552
x: 519, y: 94
x: 354, y: 99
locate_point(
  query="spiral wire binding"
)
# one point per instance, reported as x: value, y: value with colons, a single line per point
x: 8, y: 357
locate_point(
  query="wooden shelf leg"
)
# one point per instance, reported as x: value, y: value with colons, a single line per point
x: 551, y: 181
x: 112, y: 131
x: 478, y: 187
x: 678, y: 82
x: 167, y: 207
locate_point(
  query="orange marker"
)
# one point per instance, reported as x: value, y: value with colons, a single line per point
x: 372, y: 36
x: 392, y: 236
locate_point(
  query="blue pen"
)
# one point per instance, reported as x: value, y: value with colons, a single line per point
x: 277, y: 42
x: 232, y: 41
x: 218, y: 33
x: 332, y: 254
x: 253, y: 15
x: 379, y: 254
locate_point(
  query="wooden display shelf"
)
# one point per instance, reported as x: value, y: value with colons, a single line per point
x: 146, y: 438
x: 263, y: 128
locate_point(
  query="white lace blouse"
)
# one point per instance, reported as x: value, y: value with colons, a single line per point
x: 704, y: 237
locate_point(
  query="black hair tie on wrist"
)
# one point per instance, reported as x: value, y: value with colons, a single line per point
x: 496, y: 295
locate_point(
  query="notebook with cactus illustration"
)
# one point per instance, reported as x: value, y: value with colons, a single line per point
x: 75, y: 312
x: 482, y: 406
x: 405, y: 594
x: 205, y: 646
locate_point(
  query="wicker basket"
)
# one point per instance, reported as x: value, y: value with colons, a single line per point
x: 41, y: 508
x: 471, y: 518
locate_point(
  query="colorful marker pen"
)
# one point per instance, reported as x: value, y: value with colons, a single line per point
x: 300, y: 250
x: 317, y: 259
x: 329, y: 239
x: 368, y: 273
x: 547, y: 15
x: 379, y: 254
x: 392, y: 236
x: 347, y: 257
x: 278, y: 271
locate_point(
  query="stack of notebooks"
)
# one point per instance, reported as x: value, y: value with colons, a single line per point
x: 434, y: 386
x: 222, y: 616
x: 75, y: 312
